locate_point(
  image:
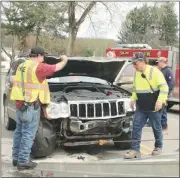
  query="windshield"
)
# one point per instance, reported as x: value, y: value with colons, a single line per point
x: 127, y: 74
x: 75, y: 79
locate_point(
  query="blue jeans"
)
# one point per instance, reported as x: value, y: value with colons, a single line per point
x: 164, y: 117
x: 27, y: 123
x: 140, y: 119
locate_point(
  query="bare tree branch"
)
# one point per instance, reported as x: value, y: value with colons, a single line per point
x: 8, y: 54
x: 83, y: 16
x: 107, y: 8
x: 92, y: 23
x: 89, y: 18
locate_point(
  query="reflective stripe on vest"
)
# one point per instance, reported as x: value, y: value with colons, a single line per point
x: 162, y: 84
x: 30, y: 85
x: 29, y: 80
x: 150, y: 73
x: 146, y: 91
x: 164, y: 92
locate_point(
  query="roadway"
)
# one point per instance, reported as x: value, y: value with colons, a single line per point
x: 105, y: 152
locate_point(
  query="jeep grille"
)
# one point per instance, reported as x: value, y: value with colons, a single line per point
x: 101, y: 109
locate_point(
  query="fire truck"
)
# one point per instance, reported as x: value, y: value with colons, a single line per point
x: 126, y: 51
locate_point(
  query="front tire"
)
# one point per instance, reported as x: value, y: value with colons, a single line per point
x: 9, y: 123
x: 123, y: 145
x: 44, y: 143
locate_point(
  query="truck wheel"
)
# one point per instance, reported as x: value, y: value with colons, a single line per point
x: 44, y: 143
x: 123, y: 145
x: 9, y: 123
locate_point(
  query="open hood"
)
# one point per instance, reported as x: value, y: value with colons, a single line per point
x: 103, y: 68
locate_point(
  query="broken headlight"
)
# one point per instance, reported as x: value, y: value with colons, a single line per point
x: 127, y: 105
x: 57, y: 110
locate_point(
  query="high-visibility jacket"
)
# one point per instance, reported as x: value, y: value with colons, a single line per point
x: 143, y: 95
x: 33, y: 89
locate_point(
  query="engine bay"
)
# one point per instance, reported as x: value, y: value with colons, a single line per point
x: 84, y: 92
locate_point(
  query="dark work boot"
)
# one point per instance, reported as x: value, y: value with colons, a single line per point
x: 26, y: 166
x: 14, y: 162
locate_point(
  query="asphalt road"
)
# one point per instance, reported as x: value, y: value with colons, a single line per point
x: 106, y: 152
x: 171, y: 141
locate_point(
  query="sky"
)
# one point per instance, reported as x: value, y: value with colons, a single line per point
x: 106, y: 26
x: 110, y: 31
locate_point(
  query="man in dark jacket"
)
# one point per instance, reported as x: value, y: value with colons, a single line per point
x: 167, y: 72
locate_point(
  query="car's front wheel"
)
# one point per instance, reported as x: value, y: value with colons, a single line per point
x: 44, y: 143
x: 123, y: 142
x: 9, y: 123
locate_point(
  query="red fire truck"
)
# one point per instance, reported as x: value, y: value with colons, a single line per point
x: 171, y: 53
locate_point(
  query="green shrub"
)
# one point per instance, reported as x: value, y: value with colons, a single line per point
x: 88, y: 52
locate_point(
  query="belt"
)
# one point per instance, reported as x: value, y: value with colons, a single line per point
x: 35, y: 103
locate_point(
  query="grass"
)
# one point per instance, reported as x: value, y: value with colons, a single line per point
x: 58, y: 46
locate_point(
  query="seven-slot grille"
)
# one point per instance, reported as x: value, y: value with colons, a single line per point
x: 98, y: 109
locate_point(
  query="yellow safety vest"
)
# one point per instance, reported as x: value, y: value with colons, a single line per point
x: 143, y: 95
x: 33, y: 89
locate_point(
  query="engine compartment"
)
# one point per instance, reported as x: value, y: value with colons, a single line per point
x: 95, y: 124
x: 96, y: 110
x: 84, y: 92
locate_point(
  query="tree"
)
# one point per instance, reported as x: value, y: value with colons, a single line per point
x: 169, y: 23
x: 87, y: 9
x: 150, y: 24
x: 13, y: 24
x: 19, y: 22
x: 74, y: 24
x: 56, y: 19
x: 24, y: 18
x: 137, y: 28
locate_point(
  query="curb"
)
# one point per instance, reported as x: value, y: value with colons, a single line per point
x: 133, y: 168
x: 164, y: 165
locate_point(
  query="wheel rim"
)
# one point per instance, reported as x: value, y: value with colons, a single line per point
x: 6, y: 118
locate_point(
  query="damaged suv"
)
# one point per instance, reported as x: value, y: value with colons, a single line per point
x: 86, y: 107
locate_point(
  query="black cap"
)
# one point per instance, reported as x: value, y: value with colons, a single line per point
x: 37, y: 51
x: 139, y: 56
